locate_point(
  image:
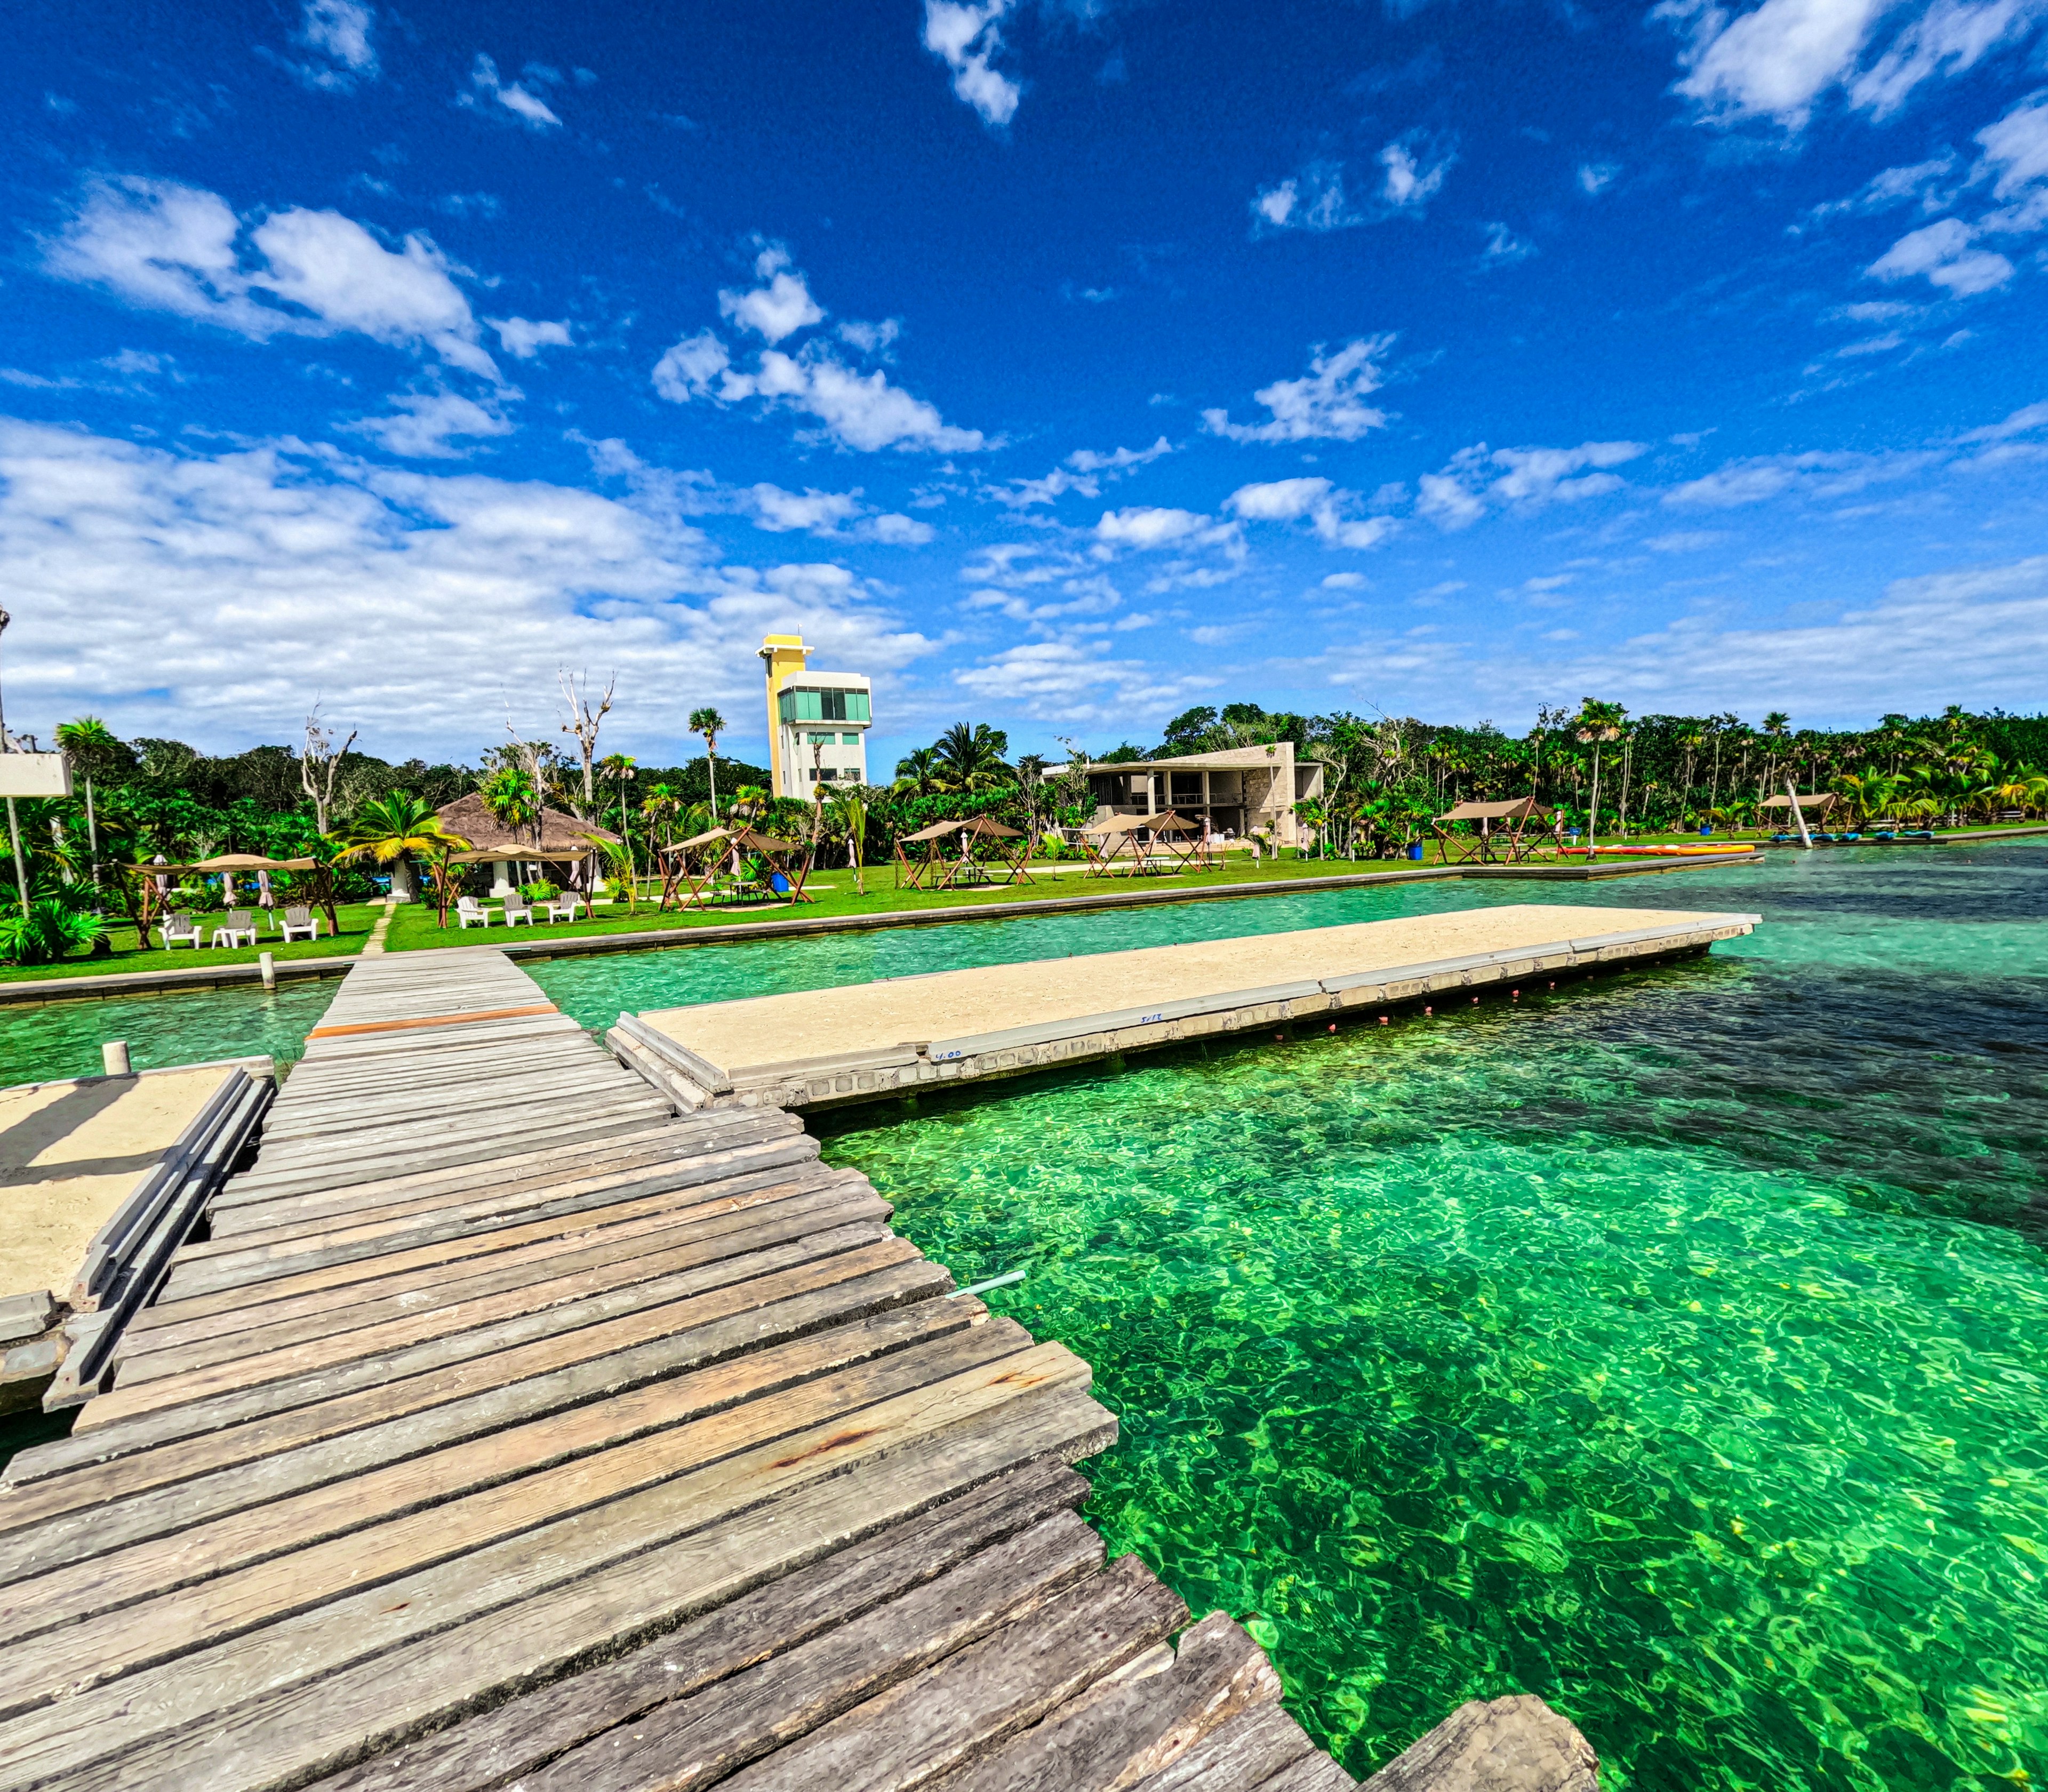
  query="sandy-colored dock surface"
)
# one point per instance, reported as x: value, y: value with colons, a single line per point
x: 772, y: 1029
x: 71, y: 1152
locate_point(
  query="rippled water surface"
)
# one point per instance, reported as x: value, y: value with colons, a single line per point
x: 1674, y: 1346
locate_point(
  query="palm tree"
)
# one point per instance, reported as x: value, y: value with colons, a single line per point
x: 1598, y: 723
x: 386, y: 828
x: 91, y: 746
x: 513, y: 802
x: 849, y: 814
x: 917, y: 773
x: 662, y: 806
x: 971, y: 759
x: 619, y: 768
x: 708, y: 722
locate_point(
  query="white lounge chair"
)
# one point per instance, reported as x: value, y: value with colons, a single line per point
x: 179, y: 928
x: 562, y: 908
x: 237, y: 926
x: 517, y: 909
x: 467, y: 909
x: 300, y: 920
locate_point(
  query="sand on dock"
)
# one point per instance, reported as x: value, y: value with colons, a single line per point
x: 70, y: 1153
x: 772, y: 1029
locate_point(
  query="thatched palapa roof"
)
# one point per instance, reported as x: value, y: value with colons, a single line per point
x: 562, y: 836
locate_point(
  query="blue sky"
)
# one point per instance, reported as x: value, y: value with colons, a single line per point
x: 1060, y: 364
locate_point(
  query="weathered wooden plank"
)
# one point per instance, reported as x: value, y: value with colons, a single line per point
x: 1318, y: 1773
x: 422, y: 1373
x: 264, y: 1221
x: 346, y: 1239
x: 449, y: 1260
x: 204, y: 1549
x: 971, y: 1702
x: 695, y: 1742
x: 819, y: 1417
x: 831, y: 1211
x: 1513, y: 1744
x: 271, y: 1708
x: 590, y: 1240
x: 525, y: 1734
x: 105, y: 1511
x: 1244, y: 1753
x: 1113, y: 1737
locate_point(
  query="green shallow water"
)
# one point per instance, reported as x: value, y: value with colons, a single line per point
x: 1674, y: 1347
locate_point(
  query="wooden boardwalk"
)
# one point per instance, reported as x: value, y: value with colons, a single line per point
x: 510, y: 1429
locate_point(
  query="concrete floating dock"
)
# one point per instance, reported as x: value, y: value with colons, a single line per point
x: 511, y: 1429
x: 826, y: 1048
x: 100, y: 1178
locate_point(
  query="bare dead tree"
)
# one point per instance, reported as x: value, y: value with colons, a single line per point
x: 583, y: 723
x: 320, y: 764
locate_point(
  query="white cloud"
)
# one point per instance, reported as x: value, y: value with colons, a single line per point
x: 820, y: 512
x: 894, y: 530
x: 1815, y: 474
x: 1595, y: 177
x: 524, y: 337
x: 688, y: 369
x: 1344, y: 581
x: 1942, y: 251
x: 1313, y: 200
x: 486, y: 87
x: 416, y: 604
x: 1931, y: 185
x: 2016, y: 152
x: 863, y: 412
x: 1149, y: 527
x: 1778, y: 59
x: 1415, y: 167
x: 1947, y: 38
x: 1412, y: 169
x: 1318, y: 501
x: 965, y: 38
x: 1078, y: 681
x: 870, y: 338
x: 1083, y: 471
x: 424, y: 426
x: 780, y: 308
x: 1504, y: 248
x: 167, y: 246
x: 339, y: 32
x: 1525, y: 479
x: 1327, y: 402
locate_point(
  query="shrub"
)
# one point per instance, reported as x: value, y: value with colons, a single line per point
x: 47, y: 932
x: 540, y: 892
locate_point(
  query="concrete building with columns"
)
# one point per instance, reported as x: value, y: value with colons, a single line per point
x: 1240, y: 790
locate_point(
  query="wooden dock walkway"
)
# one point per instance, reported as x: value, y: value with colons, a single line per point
x: 509, y: 1429
x: 830, y: 1048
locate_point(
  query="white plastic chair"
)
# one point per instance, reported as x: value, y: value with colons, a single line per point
x: 562, y: 908
x: 467, y: 909
x: 178, y: 929
x: 301, y: 920
x: 517, y: 909
x: 237, y: 925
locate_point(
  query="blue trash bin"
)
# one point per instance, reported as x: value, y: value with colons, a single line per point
x: 779, y: 884
x: 1416, y: 851
x: 1705, y: 831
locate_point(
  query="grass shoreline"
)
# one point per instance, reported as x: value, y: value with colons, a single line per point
x: 415, y: 927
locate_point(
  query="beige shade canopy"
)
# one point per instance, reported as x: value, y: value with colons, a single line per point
x: 1519, y: 810
x: 746, y: 838
x: 1166, y: 822
x: 234, y: 862
x: 514, y: 855
x: 1822, y: 799
x: 980, y: 826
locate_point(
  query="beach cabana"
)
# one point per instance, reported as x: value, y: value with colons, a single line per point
x: 696, y: 862
x: 559, y: 839
x: 1815, y: 806
x: 986, y: 855
x: 1498, y: 835
x: 1112, y: 844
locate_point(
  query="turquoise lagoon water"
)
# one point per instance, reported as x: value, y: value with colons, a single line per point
x: 1674, y: 1346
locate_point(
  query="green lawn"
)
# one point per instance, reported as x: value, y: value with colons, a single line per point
x: 356, y: 919
x: 416, y: 927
